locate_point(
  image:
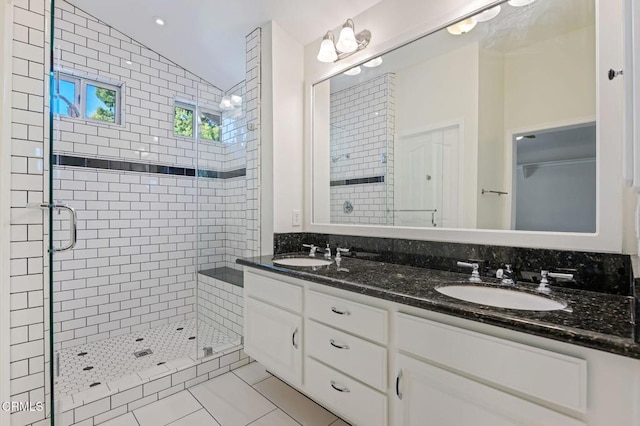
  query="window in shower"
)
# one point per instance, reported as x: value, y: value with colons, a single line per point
x: 86, y: 98
x: 209, y: 122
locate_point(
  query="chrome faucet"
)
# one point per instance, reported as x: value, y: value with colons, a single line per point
x: 507, y: 275
x: 544, y: 282
x: 312, y: 248
x: 475, y: 273
x: 327, y: 252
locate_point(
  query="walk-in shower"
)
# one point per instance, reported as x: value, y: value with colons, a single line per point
x: 153, y: 169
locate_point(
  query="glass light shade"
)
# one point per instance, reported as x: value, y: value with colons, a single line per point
x: 347, y: 42
x: 226, y: 104
x: 520, y: 3
x: 375, y: 62
x: 353, y: 71
x: 327, y: 51
x: 488, y: 14
x: 462, y: 27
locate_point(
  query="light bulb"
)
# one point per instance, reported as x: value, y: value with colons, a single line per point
x: 488, y: 14
x: 520, y: 3
x: 327, y: 51
x: 236, y: 100
x: 158, y: 21
x: 374, y: 62
x: 462, y: 27
x: 353, y: 71
x: 225, y: 103
x: 347, y: 42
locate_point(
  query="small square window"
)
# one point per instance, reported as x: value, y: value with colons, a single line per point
x: 210, y: 126
x: 183, y: 120
x: 101, y: 103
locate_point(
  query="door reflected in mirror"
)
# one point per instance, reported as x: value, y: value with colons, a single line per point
x: 484, y: 126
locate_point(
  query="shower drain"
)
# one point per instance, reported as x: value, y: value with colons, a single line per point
x: 142, y: 353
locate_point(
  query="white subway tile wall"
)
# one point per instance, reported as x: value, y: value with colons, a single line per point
x: 362, y: 133
x: 129, y: 222
x: 29, y: 354
x: 220, y: 304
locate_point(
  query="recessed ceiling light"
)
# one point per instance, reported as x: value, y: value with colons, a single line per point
x: 462, y: 27
x: 374, y: 62
x: 488, y: 14
x: 158, y: 21
x: 353, y: 71
x: 520, y: 3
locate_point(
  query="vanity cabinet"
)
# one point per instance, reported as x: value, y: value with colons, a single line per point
x: 375, y: 362
x: 448, y: 373
x: 273, y: 326
x: 429, y: 395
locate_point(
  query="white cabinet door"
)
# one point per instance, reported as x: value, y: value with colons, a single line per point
x: 430, y: 396
x: 273, y: 337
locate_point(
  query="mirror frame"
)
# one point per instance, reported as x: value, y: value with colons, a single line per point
x: 609, y: 197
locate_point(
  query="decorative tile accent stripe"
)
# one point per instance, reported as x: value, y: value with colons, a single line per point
x: 358, y: 181
x: 96, y: 163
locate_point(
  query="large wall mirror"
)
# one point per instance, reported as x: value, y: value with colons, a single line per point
x: 489, y: 124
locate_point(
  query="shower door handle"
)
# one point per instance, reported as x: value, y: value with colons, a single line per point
x: 73, y: 228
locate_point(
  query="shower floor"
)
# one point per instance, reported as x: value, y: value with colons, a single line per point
x: 104, y: 361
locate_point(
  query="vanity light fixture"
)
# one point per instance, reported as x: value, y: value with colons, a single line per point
x: 348, y: 43
x: 159, y: 21
x: 375, y: 62
x: 353, y: 71
x: 519, y: 3
x: 230, y: 102
x: 488, y: 14
x: 462, y: 27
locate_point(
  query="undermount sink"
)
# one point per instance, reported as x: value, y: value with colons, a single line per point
x: 501, y: 297
x: 302, y: 261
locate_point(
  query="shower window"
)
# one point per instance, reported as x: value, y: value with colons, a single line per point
x: 88, y: 99
x: 183, y: 120
x: 210, y: 126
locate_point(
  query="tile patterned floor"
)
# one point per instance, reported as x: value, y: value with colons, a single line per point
x: 110, y: 359
x: 246, y: 396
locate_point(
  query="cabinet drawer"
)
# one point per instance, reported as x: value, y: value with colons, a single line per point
x: 346, y: 315
x: 548, y: 376
x: 354, y: 401
x: 358, y: 358
x: 275, y: 292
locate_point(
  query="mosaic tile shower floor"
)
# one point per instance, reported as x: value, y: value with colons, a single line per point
x: 107, y: 360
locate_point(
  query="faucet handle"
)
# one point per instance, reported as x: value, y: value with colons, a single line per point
x: 327, y: 252
x: 475, y: 273
x: 312, y: 248
x: 339, y: 251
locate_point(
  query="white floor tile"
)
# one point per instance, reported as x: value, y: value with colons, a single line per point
x: 252, y: 373
x: 275, y: 418
x: 167, y: 410
x: 199, y: 418
x: 126, y: 420
x: 295, y: 404
x: 231, y: 401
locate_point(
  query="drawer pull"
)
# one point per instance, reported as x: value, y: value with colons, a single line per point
x: 336, y: 345
x: 339, y: 389
x: 339, y: 312
x: 398, y: 377
x: 293, y: 338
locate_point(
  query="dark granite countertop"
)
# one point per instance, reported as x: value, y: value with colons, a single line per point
x: 595, y: 320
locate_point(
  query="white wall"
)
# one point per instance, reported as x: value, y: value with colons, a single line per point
x: 491, y: 168
x: 437, y: 93
x: 282, y: 132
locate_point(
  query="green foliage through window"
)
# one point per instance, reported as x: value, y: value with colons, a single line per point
x: 183, y: 122
x: 101, y: 103
x: 210, y: 126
